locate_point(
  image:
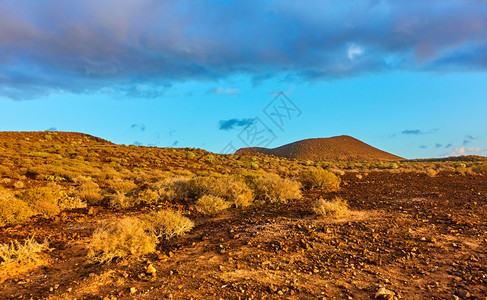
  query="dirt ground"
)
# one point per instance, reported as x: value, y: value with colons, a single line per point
x: 418, y: 236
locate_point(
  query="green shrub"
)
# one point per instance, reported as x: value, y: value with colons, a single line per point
x: 320, y: 179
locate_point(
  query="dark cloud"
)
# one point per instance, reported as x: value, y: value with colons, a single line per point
x: 52, y: 129
x: 140, y: 127
x: 423, y: 147
x: 139, y: 47
x: 409, y: 131
x: 468, y: 139
x: 438, y: 145
x: 136, y: 143
x: 233, y: 123
x: 175, y: 143
x: 449, y: 145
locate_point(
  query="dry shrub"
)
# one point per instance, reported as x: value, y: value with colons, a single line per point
x: 431, y: 172
x: 211, y: 205
x: 168, y: 224
x: 320, y: 179
x: 17, y: 252
x: 43, y: 200
x: 481, y: 168
x: 171, y: 188
x: 227, y: 187
x: 127, y: 236
x: 147, y: 196
x: 337, y: 207
x: 271, y: 187
x: 89, y: 192
x: 13, y: 210
x: 121, y: 186
x: 120, y: 200
x: 67, y: 200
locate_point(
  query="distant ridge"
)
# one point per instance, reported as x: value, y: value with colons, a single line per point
x: 342, y: 147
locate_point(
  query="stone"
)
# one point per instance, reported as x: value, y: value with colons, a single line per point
x: 151, y: 270
x: 384, y: 294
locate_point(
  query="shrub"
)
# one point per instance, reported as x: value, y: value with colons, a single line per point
x: 227, y: 187
x: 270, y: 187
x: 171, y: 188
x: 337, y: 207
x: 147, y: 196
x: 122, y: 238
x: 120, y: 200
x: 211, y: 205
x: 42, y: 200
x: 13, y: 210
x: 168, y: 224
x: 89, y: 192
x: 67, y: 201
x: 481, y: 168
x: 16, y: 252
x: 319, y: 178
x: 431, y: 172
x: 122, y: 186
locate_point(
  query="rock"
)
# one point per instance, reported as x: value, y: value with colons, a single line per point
x: 464, y: 294
x: 385, y: 294
x: 133, y: 290
x: 151, y: 270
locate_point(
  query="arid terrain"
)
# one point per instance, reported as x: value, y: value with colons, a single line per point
x: 412, y: 229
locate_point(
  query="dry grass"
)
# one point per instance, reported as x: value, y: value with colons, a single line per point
x: 320, y: 179
x: 168, y: 224
x: 172, y: 188
x: 211, y: 205
x: 335, y: 208
x: 431, y: 172
x: 125, y: 237
x: 17, y: 252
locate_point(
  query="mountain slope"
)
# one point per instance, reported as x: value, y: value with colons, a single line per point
x: 334, y: 148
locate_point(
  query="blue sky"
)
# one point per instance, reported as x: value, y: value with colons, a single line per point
x: 404, y: 76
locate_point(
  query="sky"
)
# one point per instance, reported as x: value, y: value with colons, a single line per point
x: 408, y: 77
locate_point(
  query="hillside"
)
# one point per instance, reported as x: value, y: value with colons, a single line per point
x: 334, y: 148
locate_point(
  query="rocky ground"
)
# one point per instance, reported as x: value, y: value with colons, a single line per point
x: 408, y: 236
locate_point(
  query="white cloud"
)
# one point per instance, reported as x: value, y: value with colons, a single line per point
x: 467, y: 151
x: 354, y: 51
x: 225, y: 91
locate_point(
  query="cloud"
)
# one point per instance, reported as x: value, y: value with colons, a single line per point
x: 139, y: 47
x: 438, y: 145
x: 233, y: 123
x: 52, y: 129
x: 224, y: 91
x: 136, y: 143
x: 423, y: 147
x: 175, y: 143
x: 413, y: 132
x: 140, y: 127
x: 449, y: 145
x: 468, y: 139
x: 468, y: 151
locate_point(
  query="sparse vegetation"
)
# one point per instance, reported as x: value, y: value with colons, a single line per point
x: 13, y: 210
x: 211, y: 205
x: 335, y: 208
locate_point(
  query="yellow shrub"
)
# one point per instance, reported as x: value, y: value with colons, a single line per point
x: 42, y: 200
x: 17, y: 252
x: 271, y: 187
x: 319, y: 178
x: 211, y: 205
x: 13, y: 210
x: 227, y: 187
x: 336, y: 207
x: 168, y: 224
x: 122, y: 238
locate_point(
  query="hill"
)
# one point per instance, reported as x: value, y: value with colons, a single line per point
x: 334, y: 148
